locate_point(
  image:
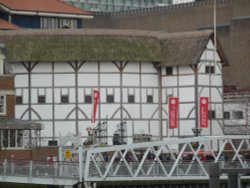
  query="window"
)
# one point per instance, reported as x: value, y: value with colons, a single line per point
x: 110, y: 98
x: 226, y: 115
x: 209, y: 70
x: 150, y: 99
x: 211, y: 114
x: 169, y: 70
x: 2, y: 104
x: 64, y: 99
x: 88, y: 99
x: 238, y: 115
x: 131, y: 99
x: 11, y: 138
x: 19, y: 100
x: 41, y: 99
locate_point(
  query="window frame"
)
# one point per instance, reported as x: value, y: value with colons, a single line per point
x: 88, y: 99
x: 238, y: 114
x: 64, y: 99
x: 150, y: 99
x: 3, y: 104
x: 210, y: 69
x: 131, y: 98
x: 211, y: 114
x: 169, y: 70
x: 19, y: 99
x: 110, y: 98
x: 41, y: 99
x: 226, y: 115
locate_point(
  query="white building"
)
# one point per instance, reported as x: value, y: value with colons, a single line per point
x: 135, y: 72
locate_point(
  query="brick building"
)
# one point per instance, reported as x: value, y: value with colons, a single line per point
x: 14, y: 133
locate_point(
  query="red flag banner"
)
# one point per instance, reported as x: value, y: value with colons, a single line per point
x: 95, y: 100
x: 203, y: 112
x: 173, y: 112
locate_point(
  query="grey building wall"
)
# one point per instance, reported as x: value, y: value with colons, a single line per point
x: 233, y: 24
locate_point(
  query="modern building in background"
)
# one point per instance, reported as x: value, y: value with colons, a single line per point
x: 121, y: 5
x: 40, y: 14
x: 135, y: 72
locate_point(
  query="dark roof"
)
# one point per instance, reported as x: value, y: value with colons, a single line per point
x: 4, y: 25
x: 11, y: 123
x: 105, y: 45
x: 40, y: 6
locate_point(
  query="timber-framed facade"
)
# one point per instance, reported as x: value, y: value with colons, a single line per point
x: 135, y: 72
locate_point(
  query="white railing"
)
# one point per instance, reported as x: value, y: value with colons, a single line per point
x: 184, y: 158
x: 38, y: 169
x: 159, y: 160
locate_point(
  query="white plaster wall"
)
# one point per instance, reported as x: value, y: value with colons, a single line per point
x: 185, y: 70
x: 64, y: 80
x: 89, y: 67
x: 169, y: 81
x: 131, y: 80
x: 186, y: 80
x: 133, y: 109
x: 108, y: 67
x: 148, y: 111
x: 61, y: 111
x: 186, y: 94
x: 44, y: 111
x: 64, y: 127
x: 186, y: 111
x: 62, y: 67
x: 41, y: 80
x: 148, y: 67
x: 18, y: 68
x: 19, y: 110
x: 42, y: 67
x: 87, y: 80
x: 110, y: 79
x: 21, y: 80
x: 132, y: 67
x: 149, y: 80
x: 186, y: 127
x: 47, y: 131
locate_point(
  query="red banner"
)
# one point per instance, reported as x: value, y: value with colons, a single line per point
x: 95, y: 96
x: 173, y: 112
x: 203, y: 112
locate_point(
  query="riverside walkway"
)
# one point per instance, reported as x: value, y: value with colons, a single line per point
x: 171, y: 159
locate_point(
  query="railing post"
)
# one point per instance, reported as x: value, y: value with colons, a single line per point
x: 80, y: 158
x: 214, y: 175
x: 30, y: 171
x: 5, y: 167
x: 233, y: 177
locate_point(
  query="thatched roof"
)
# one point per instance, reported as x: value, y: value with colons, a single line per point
x: 105, y: 45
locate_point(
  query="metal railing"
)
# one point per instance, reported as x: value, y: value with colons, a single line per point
x: 146, y: 161
x: 39, y: 169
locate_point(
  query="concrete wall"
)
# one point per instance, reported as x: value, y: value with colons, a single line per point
x: 233, y: 18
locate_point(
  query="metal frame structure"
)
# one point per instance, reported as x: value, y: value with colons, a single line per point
x: 142, y: 161
x: 125, y: 163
